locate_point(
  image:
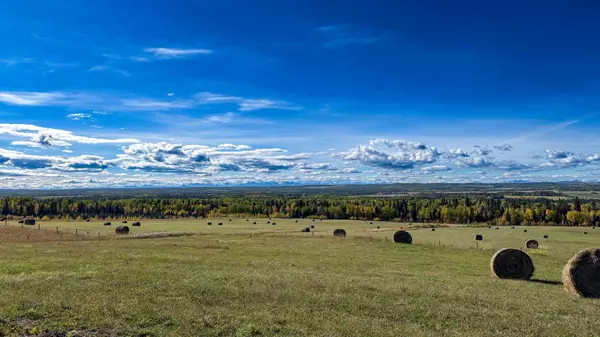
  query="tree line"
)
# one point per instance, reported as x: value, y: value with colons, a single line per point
x: 469, y: 210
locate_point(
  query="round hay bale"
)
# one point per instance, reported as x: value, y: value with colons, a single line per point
x: 220, y: 224
x: 312, y: 226
x: 377, y: 227
x: 268, y: 221
x: 209, y: 223
x: 124, y: 221
x: 247, y: 219
x: 88, y: 220
x: 545, y: 236
x: 254, y: 223
x: 509, y: 263
x: 107, y: 223
x: 478, y: 237
x: 229, y: 219
x: 273, y: 224
x: 489, y: 226
x: 402, y: 237
x: 532, y: 244
x: 513, y: 227
x: 433, y: 229
x: 123, y: 230
x: 584, y: 232
x: 306, y: 230
x: 581, y: 275
x: 314, y: 220
x: 136, y: 224
x: 339, y: 233
x: 296, y: 221
x: 370, y: 223
x: 524, y: 231
x: 497, y: 228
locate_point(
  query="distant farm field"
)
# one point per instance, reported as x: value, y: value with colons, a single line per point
x: 241, y: 279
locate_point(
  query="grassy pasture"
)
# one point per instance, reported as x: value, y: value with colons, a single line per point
x: 241, y: 279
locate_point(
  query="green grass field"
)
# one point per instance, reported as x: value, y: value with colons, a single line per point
x: 241, y: 279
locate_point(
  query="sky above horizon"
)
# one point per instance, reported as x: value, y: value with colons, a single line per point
x: 191, y: 93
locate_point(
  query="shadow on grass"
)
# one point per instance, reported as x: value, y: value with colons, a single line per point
x: 554, y: 283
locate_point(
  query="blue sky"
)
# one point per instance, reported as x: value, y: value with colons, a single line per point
x: 187, y: 93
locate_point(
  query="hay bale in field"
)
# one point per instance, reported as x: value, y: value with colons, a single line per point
x: 339, y: 233
x: 497, y: 228
x: 254, y: 223
x: 122, y: 230
x: 377, y: 227
x: 229, y: 219
x: 370, y: 223
x: 545, y: 236
x: 306, y: 230
x: 273, y: 224
x: 314, y: 220
x: 296, y: 221
x: 478, y: 237
x: 312, y: 226
x: 531, y: 244
x: 88, y: 220
x: 136, y: 224
x: 433, y: 229
x: 489, y: 226
x: 220, y: 224
x: 584, y: 232
x: 509, y: 263
x: 268, y: 221
x: 581, y: 275
x: 107, y: 223
x: 513, y: 227
x: 402, y: 237
x: 524, y: 231
x: 124, y: 221
x: 247, y: 219
x: 21, y: 221
x: 29, y: 222
x: 209, y: 223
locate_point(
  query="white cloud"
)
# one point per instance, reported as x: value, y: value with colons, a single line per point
x: 392, y: 154
x: 139, y: 59
x: 41, y: 136
x: 170, y: 53
x: 171, y: 94
x: 78, y: 116
x: 458, y: 153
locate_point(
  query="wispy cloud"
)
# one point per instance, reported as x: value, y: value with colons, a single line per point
x: 171, y: 53
x: 124, y: 103
x: 340, y: 35
x: 15, y: 61
x: 78, y: 116
x: 98, y: 68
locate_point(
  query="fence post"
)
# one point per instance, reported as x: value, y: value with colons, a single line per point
x: 39, y: 226
x: 75, y: 231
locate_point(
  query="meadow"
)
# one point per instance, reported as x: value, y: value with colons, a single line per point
x: 241, y: 279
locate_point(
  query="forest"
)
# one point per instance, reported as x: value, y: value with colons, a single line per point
x: 451, y: 210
